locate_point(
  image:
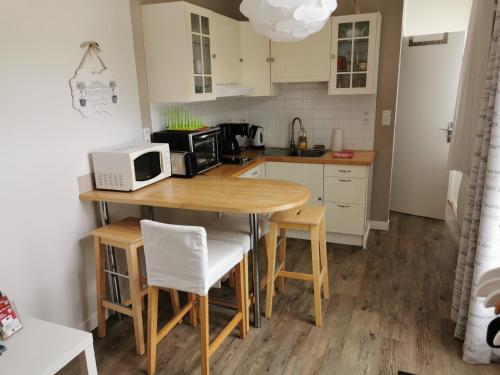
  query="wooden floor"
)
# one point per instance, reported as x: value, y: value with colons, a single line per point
x: 389, y: 311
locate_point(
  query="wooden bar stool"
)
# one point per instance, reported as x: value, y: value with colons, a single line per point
x: 125, y: 235
x: 182, y: 258
x: 312, y: 219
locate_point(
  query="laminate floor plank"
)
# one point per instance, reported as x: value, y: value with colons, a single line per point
x: 388, y: 311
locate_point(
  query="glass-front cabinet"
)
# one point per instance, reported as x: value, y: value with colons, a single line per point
x: 179, y: 46
x: 355, y: 51
x: 201, y: 43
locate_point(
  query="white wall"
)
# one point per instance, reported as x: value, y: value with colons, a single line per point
x: 320, y: 113
x: 46, y: 255
x: 421, y: 17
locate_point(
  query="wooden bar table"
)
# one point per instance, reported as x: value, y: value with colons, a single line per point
x: 213, y: 194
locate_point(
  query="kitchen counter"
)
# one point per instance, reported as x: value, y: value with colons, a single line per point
x: 364, y: 158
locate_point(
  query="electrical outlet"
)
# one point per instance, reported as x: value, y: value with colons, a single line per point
x: 386, y: 117
x: 146, y: 134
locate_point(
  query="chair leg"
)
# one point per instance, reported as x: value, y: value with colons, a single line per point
x: 316, y: 274
x: 204, y: 335
x: 139, y: 266
x: 152, y: 328
x: 100, y: 286
x: 241, y: 297
x: 271, y: 259
x: 324, y: 259
x: 246, y: 293
x: 135, y: 294
x: 193, y: 319
x: 174, y: 299
x: 282, y: 258
x: 231, y: 279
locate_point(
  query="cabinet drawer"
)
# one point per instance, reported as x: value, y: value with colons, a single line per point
x: 257, y: 172
x: 345, y: 218
x: 346, y: 171
x: 344, y: 189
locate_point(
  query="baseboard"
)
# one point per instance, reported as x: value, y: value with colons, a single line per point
x: 89, y: 324
x: 379, y: 225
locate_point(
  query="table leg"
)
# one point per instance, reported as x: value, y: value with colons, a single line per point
x: 87, y: 361
x: 254, y: 230
x: 110, y: 259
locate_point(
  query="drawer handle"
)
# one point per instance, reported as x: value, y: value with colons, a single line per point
x: 344, y: 180
x: 255, y: 173
x: 344, y: 171
x: 343, y: 205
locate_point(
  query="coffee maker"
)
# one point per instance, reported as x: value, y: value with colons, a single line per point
x: 230, y: 146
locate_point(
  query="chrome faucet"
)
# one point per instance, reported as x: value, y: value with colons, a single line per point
x: 293, y: 146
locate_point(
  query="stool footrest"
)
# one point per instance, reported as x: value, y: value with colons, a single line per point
x: 118, y: 307
x: 128, y: 301
x: 295, y: 275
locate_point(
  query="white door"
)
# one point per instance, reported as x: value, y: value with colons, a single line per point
x: 428, y: 86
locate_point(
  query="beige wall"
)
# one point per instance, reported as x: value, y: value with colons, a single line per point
x: 392, y: 13
x: 47, y: 253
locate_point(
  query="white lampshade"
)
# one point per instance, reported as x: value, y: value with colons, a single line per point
x: 288, y: 20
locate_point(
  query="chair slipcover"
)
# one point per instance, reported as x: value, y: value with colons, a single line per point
x: 180, y: 257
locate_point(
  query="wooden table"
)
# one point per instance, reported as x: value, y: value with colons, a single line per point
x: 214, y: 194
x: 45, y: 348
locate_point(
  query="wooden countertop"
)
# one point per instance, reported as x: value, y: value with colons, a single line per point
x: 210, y: 193
x: 363, y: 158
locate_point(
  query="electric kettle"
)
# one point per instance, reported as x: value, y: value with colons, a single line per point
x: 256, y: 135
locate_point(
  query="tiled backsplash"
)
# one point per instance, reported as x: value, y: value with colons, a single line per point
x: 320, y: 114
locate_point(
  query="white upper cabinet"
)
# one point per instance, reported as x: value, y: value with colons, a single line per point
x: 227, y: 50
x: 178, y: 39
x: 355, y: 54
x: 305, y: 61
x: 256, y: 64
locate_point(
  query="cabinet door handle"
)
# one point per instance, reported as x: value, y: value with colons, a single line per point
x: 241, y: 60
x: 344, y: 180
x: 343, y: 205
x: 255, y: 173
x: 344, y: 171
x: 268, y: 59
x: 320, y: 199
x: 333, y: 56
x: 214, y: 56
x: 272, y: 59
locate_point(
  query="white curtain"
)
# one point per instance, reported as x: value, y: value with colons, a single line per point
x: 480, y: 235
x: 472, y: 78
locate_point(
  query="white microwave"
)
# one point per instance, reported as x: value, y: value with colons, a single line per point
x: 131, y: 167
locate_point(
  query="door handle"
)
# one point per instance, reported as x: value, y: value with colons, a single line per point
x: 449, y: 131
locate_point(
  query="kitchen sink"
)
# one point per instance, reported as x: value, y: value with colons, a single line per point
x: 286, y: 152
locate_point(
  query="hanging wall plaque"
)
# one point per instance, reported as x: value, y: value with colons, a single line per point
x: 94, y: 91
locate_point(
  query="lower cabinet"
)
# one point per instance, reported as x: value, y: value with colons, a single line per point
x: 310, y: 175
x: 345, y: 218
x: 258, y: 171
x: 344, y: 190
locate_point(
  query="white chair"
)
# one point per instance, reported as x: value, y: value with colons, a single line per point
x: 227, y: 227
x: 182, y: 258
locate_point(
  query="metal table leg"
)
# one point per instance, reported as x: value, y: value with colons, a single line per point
x: 111, y: 260
x: 254, y: 230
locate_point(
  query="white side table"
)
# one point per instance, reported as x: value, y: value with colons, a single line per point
x: 44, y: 348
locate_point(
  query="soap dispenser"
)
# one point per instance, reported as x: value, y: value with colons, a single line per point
x: 302, y: 139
